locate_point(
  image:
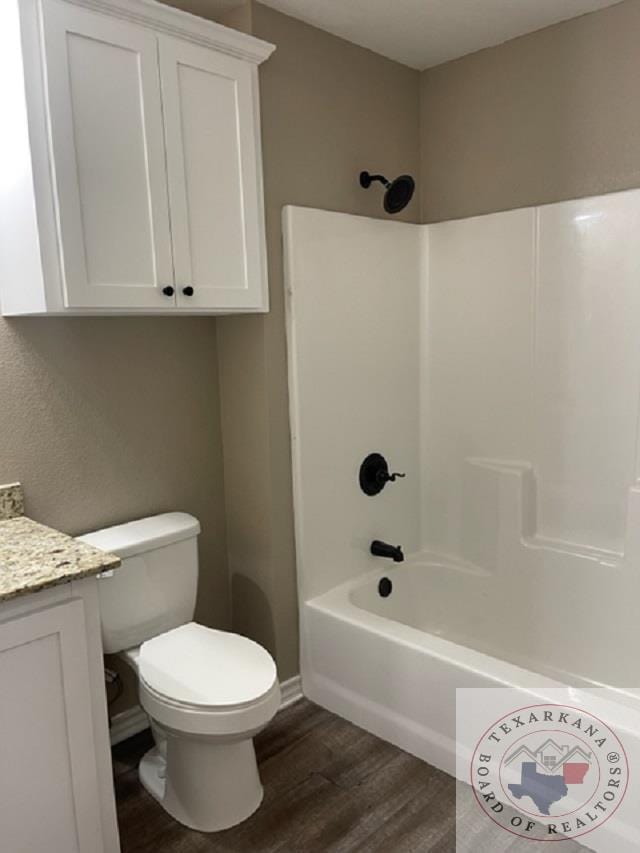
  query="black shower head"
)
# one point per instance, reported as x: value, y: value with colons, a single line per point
x: 398, y: 193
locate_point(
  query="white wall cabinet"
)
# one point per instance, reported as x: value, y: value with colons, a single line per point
x: 103, y: 88
x: 56, y: 793
x: 131, y: 178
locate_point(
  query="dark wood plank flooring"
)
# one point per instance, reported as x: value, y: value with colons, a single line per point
x: 329, y: 786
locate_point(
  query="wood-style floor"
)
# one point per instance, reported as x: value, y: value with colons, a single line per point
x: 330, y: 787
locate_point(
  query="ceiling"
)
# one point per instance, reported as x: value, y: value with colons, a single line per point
x: 422, y: 33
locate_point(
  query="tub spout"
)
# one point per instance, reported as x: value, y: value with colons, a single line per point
x: 382, y: 549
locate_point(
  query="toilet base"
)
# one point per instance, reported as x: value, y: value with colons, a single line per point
x: 204, y: 784
x: 152, y: 772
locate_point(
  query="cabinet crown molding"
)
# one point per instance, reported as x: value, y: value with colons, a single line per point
x: 175, y: 22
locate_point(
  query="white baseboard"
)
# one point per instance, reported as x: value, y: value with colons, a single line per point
x: 134, y: 720
x: 127, y: 724
x: 291, y: 691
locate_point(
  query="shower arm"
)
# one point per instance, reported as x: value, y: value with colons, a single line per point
x: 380, y: 178
x: 366, y: 180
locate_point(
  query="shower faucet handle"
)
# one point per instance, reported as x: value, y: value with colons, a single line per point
x: 386, y: 477
x: 374, y: 474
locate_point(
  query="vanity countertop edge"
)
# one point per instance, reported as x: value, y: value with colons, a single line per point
x: 34, y: 557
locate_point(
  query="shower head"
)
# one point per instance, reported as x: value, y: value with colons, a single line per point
x: 398, y: 193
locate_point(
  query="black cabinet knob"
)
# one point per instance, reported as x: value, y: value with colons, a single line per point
x: 188, y: 290
x: 168, y: 290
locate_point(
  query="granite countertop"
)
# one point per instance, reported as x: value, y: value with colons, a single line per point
x: 33, y: 557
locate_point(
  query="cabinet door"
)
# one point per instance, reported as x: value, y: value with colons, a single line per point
x: 105, y: 110
x: 49, y: 796
x: 215, y: 179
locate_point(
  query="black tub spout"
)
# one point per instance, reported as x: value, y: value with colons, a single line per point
x: 382, y: 549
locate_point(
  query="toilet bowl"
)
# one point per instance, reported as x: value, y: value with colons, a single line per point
x: 207, y: 692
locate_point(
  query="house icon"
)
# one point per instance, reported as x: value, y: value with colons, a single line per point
x: 551, y: 756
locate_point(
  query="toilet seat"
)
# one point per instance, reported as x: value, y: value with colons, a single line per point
x: 232, y: 722
x: 199, y: 680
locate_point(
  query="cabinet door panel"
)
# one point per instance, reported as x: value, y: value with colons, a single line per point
x: 49, y: 797
x: 215, y: 182
x: 106, y: 128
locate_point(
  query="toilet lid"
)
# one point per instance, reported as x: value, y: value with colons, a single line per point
x: 195, y: 665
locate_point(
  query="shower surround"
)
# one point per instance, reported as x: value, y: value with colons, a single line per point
x: 496, y: 360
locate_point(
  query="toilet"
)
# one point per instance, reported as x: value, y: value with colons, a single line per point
x: 207, y: 692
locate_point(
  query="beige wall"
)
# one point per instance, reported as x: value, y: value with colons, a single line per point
x: 105, y: 420
x: 232, y: 13
x: 549, y: 116
x: 329, y: 109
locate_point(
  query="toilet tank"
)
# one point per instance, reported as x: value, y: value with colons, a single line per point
x: 154, y: 589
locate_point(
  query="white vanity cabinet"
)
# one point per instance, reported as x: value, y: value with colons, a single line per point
x: 130, y: 175
x: 56, y: 790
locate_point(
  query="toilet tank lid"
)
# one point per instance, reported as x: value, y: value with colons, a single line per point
x: 146, y: 534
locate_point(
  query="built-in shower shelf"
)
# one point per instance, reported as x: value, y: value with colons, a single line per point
x: 499, y: 520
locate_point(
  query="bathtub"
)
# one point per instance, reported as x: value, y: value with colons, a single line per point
x: 392, y: 664
x: 512, y: 470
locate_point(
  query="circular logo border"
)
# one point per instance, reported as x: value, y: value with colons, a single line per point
x: 548, y: 705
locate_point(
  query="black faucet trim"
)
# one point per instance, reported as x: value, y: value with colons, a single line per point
x: 383, y: 549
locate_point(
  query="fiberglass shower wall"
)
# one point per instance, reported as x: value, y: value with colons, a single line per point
x: 532, y: 363
x: 496, y: 360
x: 353, y: 294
